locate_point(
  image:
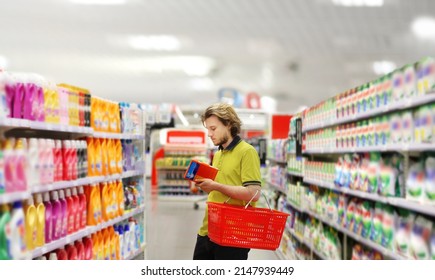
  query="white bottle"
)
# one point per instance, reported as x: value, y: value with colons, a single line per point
x: 16, y: 232
x: 34, y: 163
x: 52, y: 257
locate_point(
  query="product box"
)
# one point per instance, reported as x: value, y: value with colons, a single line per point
x: 199, y: 170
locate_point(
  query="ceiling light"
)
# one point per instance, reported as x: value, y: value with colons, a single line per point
x: 190, y: 65
x: 424, y: 27
x: 154, y: 43
x: 3, y: 62
x: 383, y: 67
x: 99, y: 2
x: 358, y: 3
x: 201, y: 84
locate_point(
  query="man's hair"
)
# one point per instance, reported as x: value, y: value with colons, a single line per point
x: 226, y: 114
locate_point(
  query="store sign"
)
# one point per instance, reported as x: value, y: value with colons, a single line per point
x: 231, y: 96
x: 253, y: 101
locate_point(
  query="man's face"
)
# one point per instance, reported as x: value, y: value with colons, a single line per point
x: 217, y: 131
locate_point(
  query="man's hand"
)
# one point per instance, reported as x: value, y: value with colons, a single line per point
x: 205, y: 184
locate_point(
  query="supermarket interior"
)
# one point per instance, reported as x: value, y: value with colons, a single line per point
x: 101, y: 105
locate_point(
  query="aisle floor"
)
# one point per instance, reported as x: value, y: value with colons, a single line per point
x: 171, y: 230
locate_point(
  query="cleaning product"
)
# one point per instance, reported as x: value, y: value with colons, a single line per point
x: 40, y: 220
x: 71, y: 251
x: 17, y: 243
x: 71, y: 211
x: 429, y: 188
x: 56, y: 215
x: 48, y: 218
x: 420, y: 238
x: 20, y: 165
x: 64, y: 214
x: 5, y: 218
x: 82, y: 209
x: 33, y: 156
x: 88, y: 252
x: 80, y: 249
x: 76, y: 209
x: 30, y: 223
x: 405, y: 220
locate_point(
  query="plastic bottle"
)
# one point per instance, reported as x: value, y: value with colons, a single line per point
x: 70, y: 211
x: 18, y: 100
x: 82, y: 207
x: 106, y: 244
x: 120, y: 197
x: 50, y: 160
x: 48, y: 218
x: 2, y: 173
x: 80, y: 249
x: 21, y: 165
x: 66, y: 160
x: 17, y: 243
x: 61, y: 254
x: 5, y: 218
x: 64, y: 214
x: 87, y: 243
x: 105, y: 201
x: 120, y: 230
x: 127, y: 236
x: 40, y: 220
x: 76, y: 208
x: 30, y: 223
x: 56, y: 215
x: 71, y: 251
x: 9, y: 163
x: 33, y: 156
x: 29, y: 99
x: 73, y: 161
x: 119, y: 159
x: 53, y: 256
x: 4, y: 108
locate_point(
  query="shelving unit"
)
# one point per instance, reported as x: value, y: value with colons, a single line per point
x: 10, y: 127
x: 179, y: 147
x: 363, y: 121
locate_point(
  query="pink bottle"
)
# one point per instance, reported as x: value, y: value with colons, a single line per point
x: 66, y: 160
x: 56, y: 215
x: 76, y: 205
x: 28, y: 101
x: 9, y: 165
x: 18, y: 100
x: 70, y: 211
x: 48, y: 218
x: 64, y: 214
x: 82, y: 207
x: 21, y: 165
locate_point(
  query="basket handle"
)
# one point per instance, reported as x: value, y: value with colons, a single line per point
x: 249, y: 202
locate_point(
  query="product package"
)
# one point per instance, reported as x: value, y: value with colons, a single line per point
x: 198, y: 170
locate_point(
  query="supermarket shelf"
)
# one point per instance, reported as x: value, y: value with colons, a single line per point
x: 400, y: 105
x: 85, y: 181
x: 412, y: 147
x: 14, y: 196
x: 294, y: 173
x: 110, y: 135
x: 384, y: 251
x: 277, y: 161
x: 82, y: 233
x: 394, y: 201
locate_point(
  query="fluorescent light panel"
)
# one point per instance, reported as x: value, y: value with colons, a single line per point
x: 154, y: 42
x: 383, y: 67
x: 99, y: 2
x: 424, y: 27
x: 359, y: 3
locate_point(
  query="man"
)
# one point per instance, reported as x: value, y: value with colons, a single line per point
x: 239, y: 176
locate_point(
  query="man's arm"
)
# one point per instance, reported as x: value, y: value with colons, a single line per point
x: 236, y: 192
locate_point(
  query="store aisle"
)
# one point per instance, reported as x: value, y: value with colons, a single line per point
x: 172, y: 227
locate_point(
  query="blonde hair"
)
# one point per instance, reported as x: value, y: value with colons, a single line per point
x: 226, y: 115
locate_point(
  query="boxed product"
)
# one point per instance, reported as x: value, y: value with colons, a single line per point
x: 198, y: 170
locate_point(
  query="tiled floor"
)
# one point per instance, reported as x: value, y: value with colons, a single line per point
x: 172, y: 227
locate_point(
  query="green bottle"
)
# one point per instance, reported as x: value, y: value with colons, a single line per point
x: 4, y: 224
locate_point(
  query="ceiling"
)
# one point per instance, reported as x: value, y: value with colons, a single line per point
x: 296, y: 51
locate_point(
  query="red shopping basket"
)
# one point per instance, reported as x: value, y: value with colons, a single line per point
x: 237, y: 226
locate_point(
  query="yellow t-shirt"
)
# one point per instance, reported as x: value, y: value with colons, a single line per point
x: 239, y: 165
